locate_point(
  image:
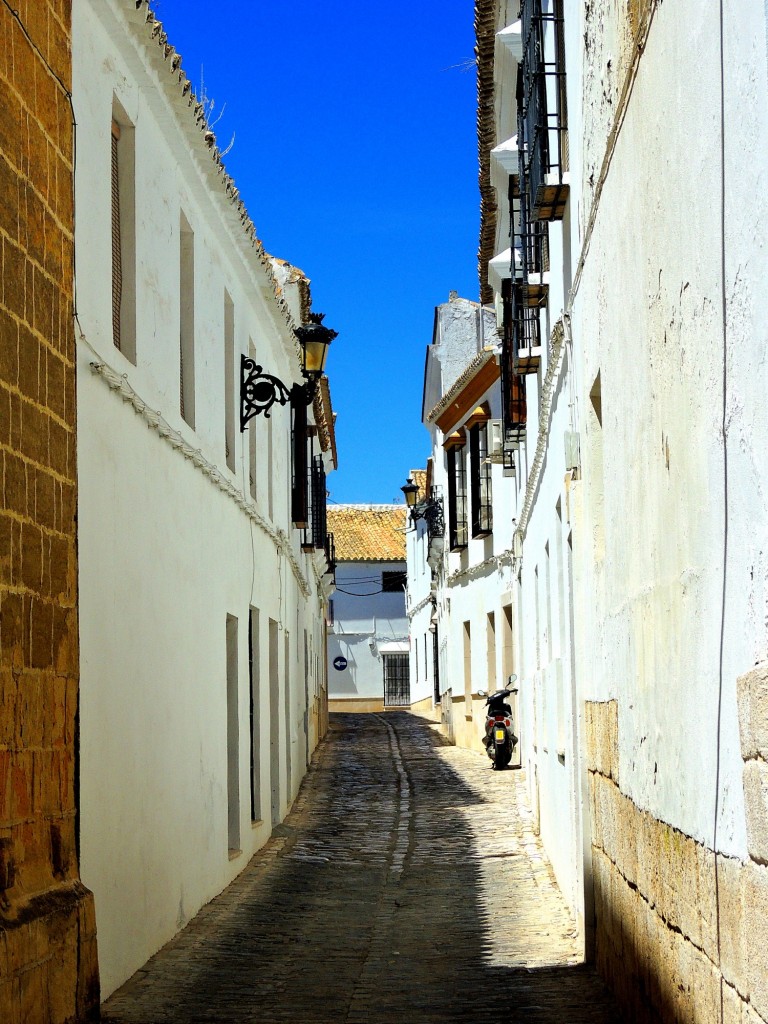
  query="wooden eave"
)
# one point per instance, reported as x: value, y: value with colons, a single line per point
x: 469, y: 396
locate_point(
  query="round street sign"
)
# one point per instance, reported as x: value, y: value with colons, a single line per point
x: 340, y: 663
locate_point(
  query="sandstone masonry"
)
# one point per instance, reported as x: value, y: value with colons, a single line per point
x: 48, y: 964
x: 679, y: 929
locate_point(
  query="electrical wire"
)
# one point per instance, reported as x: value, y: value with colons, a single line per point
x: 68, y: 95
x: 726, y: 509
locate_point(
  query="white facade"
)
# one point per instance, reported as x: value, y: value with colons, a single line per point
x: 461, y: 589
x: 368, y: 625
x: 201, y: 618
x: 641, y: 521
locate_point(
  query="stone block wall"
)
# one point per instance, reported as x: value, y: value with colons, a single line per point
x: 681, y: 935
x: 48, y: 966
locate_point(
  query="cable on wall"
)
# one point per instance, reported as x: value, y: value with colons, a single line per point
x: 726, y: 509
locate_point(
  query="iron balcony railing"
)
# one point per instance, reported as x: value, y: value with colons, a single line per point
x: 526, y: 333
x: 512, y: 384
x: 481, y: 502
x: 543, y: 130
x: 330, y: 554
x: 530, y: 245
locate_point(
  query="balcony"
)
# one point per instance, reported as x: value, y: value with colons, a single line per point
x: 526, y: 333
x: 531, y: 248
x: 515, y: 411
x: 543, y: 133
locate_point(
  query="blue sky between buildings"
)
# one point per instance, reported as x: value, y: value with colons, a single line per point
x: 355, y: 152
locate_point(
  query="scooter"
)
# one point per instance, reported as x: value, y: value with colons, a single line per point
x: 499, y: 738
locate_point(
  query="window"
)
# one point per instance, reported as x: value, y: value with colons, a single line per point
x: 480, y: 481
x: 186, y: 321
x: 299, y: 476
x: 123, y: 232
x: 514, y: 409
x: 393, y: 582
x: 229, y: 381
x: 254, y: 669
x: 316, y: 529
x: 457, y: 497
x: 233, y: 739
x: 397, y: 683
x: 543, y: 117
x: 253, y: 447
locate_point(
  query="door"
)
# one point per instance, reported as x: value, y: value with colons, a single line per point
x: 397, y: 682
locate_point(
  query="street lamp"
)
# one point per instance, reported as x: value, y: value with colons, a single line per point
x: 259, y: 391
x: 410, y: 490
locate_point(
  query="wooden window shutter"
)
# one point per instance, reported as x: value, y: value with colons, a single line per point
x: 117, y: 262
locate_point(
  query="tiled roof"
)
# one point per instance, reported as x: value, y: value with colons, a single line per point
x: 485, y: 35
x: 368, y: 533
x: 419, y: 477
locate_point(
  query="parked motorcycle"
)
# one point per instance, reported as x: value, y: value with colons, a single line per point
x: 499, y: 738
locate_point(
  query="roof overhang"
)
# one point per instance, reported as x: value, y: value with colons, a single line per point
x: 481, y: 374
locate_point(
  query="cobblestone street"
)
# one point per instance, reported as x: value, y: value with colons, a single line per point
x: 405, y: 886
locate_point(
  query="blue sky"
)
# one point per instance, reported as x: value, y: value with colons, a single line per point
x: 355, y: 152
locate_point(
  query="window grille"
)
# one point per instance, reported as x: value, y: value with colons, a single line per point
x: 397, y: 680
x: 319, y: 508
x: 526, y: 333
x: 393, y: 582
x: 330, y: 554
x: 512, y: 384
x: 480, y: 481
x: 299, y: 481
x: 117, y: 256
x: 530, y: 245
x: 457, y: 498
x: 543, y: 129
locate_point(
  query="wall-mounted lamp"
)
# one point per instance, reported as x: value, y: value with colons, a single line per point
x: 429, y: 509
x: 259, y: 391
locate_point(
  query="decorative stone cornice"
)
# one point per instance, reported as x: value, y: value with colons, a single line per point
x: 412, y: 612
x: 493, y: 564
x: 487, y: 355
x: 554, y: 365
x: 150, y: 34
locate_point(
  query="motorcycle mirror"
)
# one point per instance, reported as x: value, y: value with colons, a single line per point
x: 512, y: 679
x: 481, y: 693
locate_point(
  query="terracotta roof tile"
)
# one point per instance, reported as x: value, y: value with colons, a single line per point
x: 419, y: 477
x: 368, y: 533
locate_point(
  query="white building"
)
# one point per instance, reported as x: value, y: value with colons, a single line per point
x: 460, y: 579
x: 368, y: 649
x: 634, y: 308
x: 201, y: 604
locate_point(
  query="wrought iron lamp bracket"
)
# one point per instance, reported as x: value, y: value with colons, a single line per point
x: 259, y: 391
x: 431, y: 511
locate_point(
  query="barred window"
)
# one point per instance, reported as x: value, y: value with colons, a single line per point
x: 123, y: 233
x: 480, y: 481
x: 457, y: 498
x: 393, y: 582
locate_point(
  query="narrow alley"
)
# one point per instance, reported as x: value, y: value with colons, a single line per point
x: 406, y: 885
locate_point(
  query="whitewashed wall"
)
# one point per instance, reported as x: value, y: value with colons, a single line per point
x: 420, y: 611
x: 675, y: 536
x: 366, y: 623
x: 167, y: 549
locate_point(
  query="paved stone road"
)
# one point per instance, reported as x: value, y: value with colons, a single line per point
x: 406, y: 886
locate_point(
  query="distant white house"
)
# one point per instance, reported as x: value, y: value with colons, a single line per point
x: 368, y: 648
x: 460, y: 598
x: 202, y: 605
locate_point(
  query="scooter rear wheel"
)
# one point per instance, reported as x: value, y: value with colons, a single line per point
x: 501, y: 758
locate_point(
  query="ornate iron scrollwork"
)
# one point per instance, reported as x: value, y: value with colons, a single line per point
x: 258, y: 391
x: 431, y: 511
